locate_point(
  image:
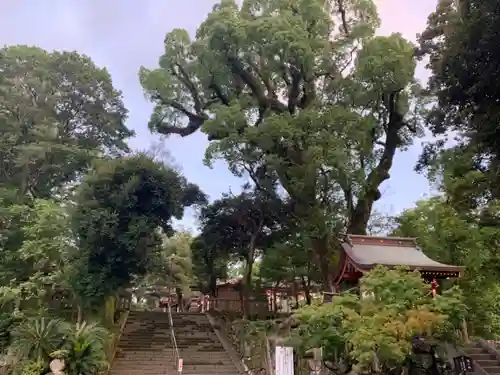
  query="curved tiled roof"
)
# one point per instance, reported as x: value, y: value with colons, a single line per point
x: 368, y: 251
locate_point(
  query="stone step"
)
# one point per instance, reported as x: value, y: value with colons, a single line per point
x: 487, y: 363
x: 212, y: 356
x: 492, y: 369
x: 199, y: 347
x: 481, y: 356
x: 192, y: 360
x: 208, y: 370
x: 163, y: 371
x: 474, y: 350
x: 141, y: 337
x: 148, y: 364
x: 145, y: 347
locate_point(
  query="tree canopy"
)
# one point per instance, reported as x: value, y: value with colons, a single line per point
x: 450, y: 238
x: 305, y: 102
x: 120, y: 206
x: 373, y: 332
x: 58, y: 112
x: 303, y: 92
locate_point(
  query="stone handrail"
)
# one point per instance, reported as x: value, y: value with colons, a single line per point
x: 175, y: 349
x: 226, y: 343
x: 113, y: 347
x: 491, y: 346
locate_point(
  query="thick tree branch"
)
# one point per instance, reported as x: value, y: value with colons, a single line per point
x: 257, y: 88
x: 343, y: 16
x: 363, y: 209
x: 195, y: 121
x: 181, y: 74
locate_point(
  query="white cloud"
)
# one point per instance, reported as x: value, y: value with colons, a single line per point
x: 408, y: 17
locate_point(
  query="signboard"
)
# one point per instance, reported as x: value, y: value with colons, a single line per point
x: 179, y: 366
x: 284, y: 360
x: 463, y: 364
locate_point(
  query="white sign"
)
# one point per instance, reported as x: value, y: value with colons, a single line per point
x: 284, y: 360
x: 179, y: 366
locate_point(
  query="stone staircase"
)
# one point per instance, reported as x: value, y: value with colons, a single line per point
x: 146, y: 348
x: 200, y: 347
x: 485, y: 362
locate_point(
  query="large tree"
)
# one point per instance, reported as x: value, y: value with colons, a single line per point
x: 58, y: 111
x: 461, y: 41
x: 35, y: 245
x: 301, y: 90
x: 241, y: 225
x: 210, y: 261
x: 172, y: 265
x: 121, y: 205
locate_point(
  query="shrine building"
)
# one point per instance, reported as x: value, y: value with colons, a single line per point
x: 361, y: 253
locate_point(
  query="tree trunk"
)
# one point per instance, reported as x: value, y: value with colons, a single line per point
x: 361, y: 213
x: 247, y: 281
x: 275, y: 300
x: 180, y: 301
x: 306, y: 285
x: 79, y: 314
x: 321, y: 250
x: 212, y: 285
x: 247, y: 277
x: 295, y: 293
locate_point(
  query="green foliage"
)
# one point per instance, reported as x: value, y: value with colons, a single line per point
x: 237, y: 227
x: 120, y: 206
x: 251, y: 336
x: 37, y: 245
x: 171, y: 266
x: 288, y: 260
x: 83, y: 346
x: 210, y: 262
x: 460, y: 41
x: 449, y: 237
x: 33, y: 368
x: 6, y: 326
x: 234, y: 220
x: 377, y: 327
x: 38, y: 337
x: 85, y: 349
x: 58, y: 112
x: 300, y: 92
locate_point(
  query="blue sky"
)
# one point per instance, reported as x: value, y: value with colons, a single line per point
x: 122, y: 35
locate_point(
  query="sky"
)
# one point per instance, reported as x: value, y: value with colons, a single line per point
x: 123, y: 35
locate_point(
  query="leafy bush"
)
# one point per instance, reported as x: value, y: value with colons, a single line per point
x: 376, y: 328
x: 34, y: 368
x: 36, y: 338
x: 85, y: 349
x: 82, y: 346
x: 6, y: 323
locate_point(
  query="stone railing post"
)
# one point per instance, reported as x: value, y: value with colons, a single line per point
x: 315, y: 363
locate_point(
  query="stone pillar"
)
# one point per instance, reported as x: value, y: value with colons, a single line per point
x: 316, y: 363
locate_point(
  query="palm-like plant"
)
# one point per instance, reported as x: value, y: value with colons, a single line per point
x: 85, y: 349
x: 36, y: 338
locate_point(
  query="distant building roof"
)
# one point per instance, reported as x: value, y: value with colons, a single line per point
x: 232, y: 281
x: 365, y: 252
